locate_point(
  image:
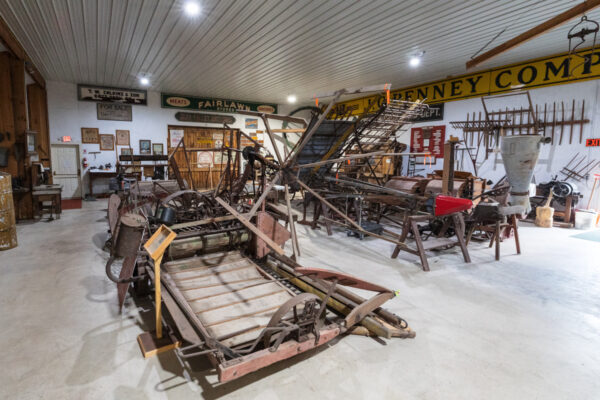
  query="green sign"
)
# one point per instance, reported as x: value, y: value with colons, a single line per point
x: 210, y: 104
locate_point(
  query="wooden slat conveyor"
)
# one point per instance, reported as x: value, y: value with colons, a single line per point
x: 231, y: 296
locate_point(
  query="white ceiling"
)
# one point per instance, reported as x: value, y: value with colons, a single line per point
x: 264, y: 50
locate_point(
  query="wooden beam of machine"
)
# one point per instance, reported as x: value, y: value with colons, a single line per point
x: 288, y: 130
x: 534, y: 32
x: 274, y: 246
x: 334, y: 160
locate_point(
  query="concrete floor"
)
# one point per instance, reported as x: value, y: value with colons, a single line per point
x: 526, y: 327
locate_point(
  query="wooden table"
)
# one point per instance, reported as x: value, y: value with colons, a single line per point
x: 43, y: 193
x: 95, y: 174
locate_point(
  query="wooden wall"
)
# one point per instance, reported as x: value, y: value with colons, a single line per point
x: 7, y: 120
x: 38, y: 120
x: 14, y: 124
x: 206, y: 174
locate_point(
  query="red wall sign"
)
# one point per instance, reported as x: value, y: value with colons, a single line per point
x: 592, y: 142
x: 428, y: 138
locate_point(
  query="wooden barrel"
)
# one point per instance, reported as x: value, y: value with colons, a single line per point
x: 8, y: 228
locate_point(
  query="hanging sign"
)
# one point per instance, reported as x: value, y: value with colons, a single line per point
x: 428, y: 139
x: 175, y: 136
x: 207, y: 118
x: 434, y: 113
x: 251, y: 123
x: 547, y: 71
x: 112, y: 95
x: 204, y: 159
x: 211, y: 104
x: 114, y: 112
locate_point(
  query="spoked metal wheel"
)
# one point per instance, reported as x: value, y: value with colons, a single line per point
x: 300, y: 315
x: 189, y: 204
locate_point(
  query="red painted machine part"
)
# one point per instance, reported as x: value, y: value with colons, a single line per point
x: 445, y: 205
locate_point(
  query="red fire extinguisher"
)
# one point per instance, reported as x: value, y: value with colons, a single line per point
x: 84, y: 162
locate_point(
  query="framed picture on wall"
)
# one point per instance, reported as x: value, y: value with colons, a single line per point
x: 107, y: 142
x: 157, y: 149
x: 122, y: 137
x: 126, y: 151
x: 145, y: 147
x: 90, y: 135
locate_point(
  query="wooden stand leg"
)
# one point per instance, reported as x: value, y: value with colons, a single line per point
x: 396, y: 251
x: 157, y: 297
x: 419, y: 242
x: 316, y: 214
x: 403, y: 236
x: 470, y: 234
x: 460, y: 235
x: 493, y: 239
x: 498, y: 234
x: 516, y: 230
x: 327, y: 215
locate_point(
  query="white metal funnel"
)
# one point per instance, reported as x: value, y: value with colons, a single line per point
x: 520, y: 155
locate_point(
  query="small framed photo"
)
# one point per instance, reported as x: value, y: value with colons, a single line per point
x: 90, y: 135
x: 157, y: 149
x: 145, y: 147
x: 107, y: 142
x: 126, y: 151
x: 122, y: 137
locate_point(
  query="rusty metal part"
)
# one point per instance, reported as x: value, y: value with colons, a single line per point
x: 128, y: 235
x: 341, y: 278
x: 302, y: 322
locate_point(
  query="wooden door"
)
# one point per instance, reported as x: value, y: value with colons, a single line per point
x: 65, y: 169
x: 204, y: 168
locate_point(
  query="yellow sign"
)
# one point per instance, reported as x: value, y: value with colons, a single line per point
x: 541, y: 72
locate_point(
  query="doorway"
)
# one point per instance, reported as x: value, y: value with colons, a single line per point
x: 66, y: 170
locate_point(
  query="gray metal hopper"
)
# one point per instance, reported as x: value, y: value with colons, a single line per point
x: 520, y: 155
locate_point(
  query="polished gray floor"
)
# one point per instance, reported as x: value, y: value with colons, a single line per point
x: 526, y: 327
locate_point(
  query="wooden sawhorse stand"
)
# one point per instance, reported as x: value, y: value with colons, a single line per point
x: 411, y: 225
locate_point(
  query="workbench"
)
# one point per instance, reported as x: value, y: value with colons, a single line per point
x: 95, y: 174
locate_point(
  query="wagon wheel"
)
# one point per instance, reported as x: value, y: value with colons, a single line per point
x: 189, y: 202
x: 303, y: 320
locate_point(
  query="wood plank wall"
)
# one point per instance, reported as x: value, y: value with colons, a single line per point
x: 7, y: 120
x: 204, y: 176
x: 38, y: 120
x: 14, y: 110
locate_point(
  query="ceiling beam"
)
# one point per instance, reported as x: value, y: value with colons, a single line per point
x: 534, y: 32
x: 9, y: 40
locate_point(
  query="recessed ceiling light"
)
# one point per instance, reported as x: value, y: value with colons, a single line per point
x: 291, y: 98
x: 145, y: 81
x: 414, y: 61
x: 192, y: 8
